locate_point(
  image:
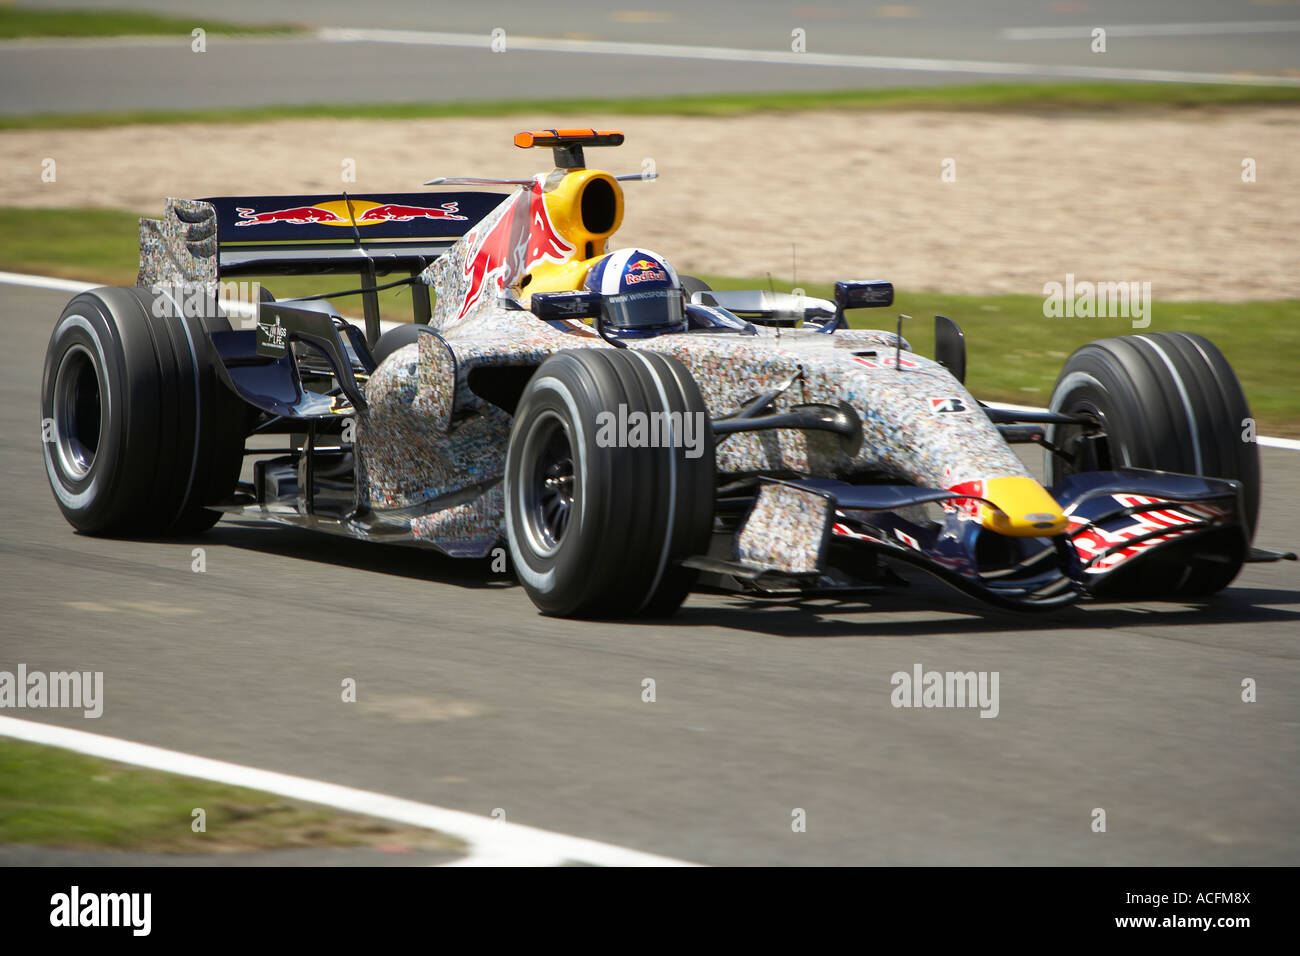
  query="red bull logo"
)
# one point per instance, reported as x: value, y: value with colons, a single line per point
x: 544, y: 243
x: 650, y: 275
x: 392, y: 212
x: 298, y: 215
x: 506, y: 245
x: 342, y: 212
x: 642, y: 264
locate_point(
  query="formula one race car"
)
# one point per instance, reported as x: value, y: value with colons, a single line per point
x: 751, y: 436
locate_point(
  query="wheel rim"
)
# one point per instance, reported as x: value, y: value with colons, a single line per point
x: 77, y: 412
x: 1069, y: 439
x: 547, y: 491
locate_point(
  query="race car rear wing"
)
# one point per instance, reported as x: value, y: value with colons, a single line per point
x: 206, y: 241
x: 298, y: 235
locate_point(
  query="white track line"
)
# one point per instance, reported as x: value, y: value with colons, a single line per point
x: 232, y: 307
x: 68, y: 285
x: 492, y: 842
x: 790, y: 58
x: 173, y: 40
x: 689, y: 52
x: 1153, y: 30
x: 47, y: 282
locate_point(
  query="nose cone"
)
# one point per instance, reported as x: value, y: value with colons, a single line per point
x: 1022, y: 509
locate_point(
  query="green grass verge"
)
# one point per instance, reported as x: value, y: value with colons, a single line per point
x: 1023, y: 97
x: 1014, y: 351
x: 101, y: 245
x: 19, y: 22
x: 57, y: 798
x: 98, y: 245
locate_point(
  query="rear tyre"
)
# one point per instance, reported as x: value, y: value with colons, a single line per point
x: 1167, y: 401
x: 597, y: 528
x: 140, y: 434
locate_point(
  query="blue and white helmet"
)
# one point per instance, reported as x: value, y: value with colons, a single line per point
x: 640, y: 293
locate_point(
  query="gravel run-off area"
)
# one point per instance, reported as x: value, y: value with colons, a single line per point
x: 1154, y: 197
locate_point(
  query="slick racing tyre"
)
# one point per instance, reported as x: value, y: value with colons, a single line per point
x: 598, y: 520
x: 139, y: 432
x: 1167, y: 401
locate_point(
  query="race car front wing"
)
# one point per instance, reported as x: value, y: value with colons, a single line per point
x: 1128, y: 530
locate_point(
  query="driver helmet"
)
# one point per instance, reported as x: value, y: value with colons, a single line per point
x: 640, y: 293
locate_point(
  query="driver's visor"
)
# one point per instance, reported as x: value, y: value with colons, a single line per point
x: 651, y: 308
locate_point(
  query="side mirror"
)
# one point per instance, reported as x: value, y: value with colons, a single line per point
x: 864, y: 294
x: 858, y: 294
x: 565, y: 305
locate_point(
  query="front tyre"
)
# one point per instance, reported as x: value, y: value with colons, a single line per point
x: 599, y: 519
x: 1167, y: 401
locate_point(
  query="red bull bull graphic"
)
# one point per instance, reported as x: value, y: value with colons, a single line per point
x: 343, y: 212
x: 503, y: 247
x: 545, y: 244
x: 298, y: 215
x: 392, y: 212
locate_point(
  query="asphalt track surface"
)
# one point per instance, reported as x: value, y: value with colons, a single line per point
x: 467, y: 698
x: 54, y: 76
